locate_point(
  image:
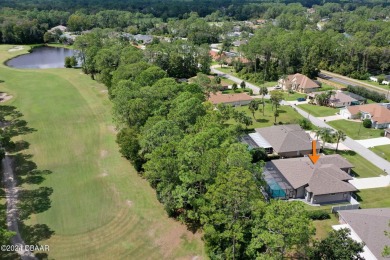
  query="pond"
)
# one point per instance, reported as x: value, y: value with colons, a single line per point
x: 42, y: 58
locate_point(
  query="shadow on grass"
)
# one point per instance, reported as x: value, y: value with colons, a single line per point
x: 281, y: 111
x: 32, y: 200
x: 26, y: 170
x: 262, y: 120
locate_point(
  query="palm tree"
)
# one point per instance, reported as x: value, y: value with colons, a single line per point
x: 340, y: 136
x: 253, y: 107
x: 263, y: 91
x: 326, y: 134
x: 276, y: 114
x: 318, y: 132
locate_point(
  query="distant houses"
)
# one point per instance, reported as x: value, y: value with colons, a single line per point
x: 236, y: 99
x: 379, y: 114
x: 298, y: 82
x: 284, y: 140
x: 367, y: 226
x: 320, y: 183
x: 385, y: 80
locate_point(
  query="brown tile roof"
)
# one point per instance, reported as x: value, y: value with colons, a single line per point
x: 369, y: 225
x: 218, y: 97
x: 379, y: 113
x: 323, y: 177
x: 302, y: 80
x: 340, y: 97
x: 286, y: 138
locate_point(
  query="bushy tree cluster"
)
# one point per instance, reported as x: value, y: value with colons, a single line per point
x: 366, y: 93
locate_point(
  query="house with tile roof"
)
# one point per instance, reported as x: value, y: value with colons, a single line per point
x: 379, y: 114
x: 337, y: 99
x: 367, y: 226
x: 298, y: 82
x: 285, y: 140
x: 320, y: 183
x: 236, y: 99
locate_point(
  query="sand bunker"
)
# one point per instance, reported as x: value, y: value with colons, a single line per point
x: 16, y: 48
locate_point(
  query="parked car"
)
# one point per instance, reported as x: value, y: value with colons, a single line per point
x: 277, y: 87
x: 301, y: 99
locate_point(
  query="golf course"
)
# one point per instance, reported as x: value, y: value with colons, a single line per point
x: 100, y: 207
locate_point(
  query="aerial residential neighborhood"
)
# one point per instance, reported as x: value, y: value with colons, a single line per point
x: 195, y: 129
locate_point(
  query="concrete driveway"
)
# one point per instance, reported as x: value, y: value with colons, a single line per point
x: 371, y: 183
x: 374, y: 142
x: 331, y: 118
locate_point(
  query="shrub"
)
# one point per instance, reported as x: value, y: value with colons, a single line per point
x: 258, y: 154
x: 305, y: 124
x: 367, y: 123
x: 318, y: 215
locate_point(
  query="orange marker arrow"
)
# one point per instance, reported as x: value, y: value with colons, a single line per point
x: 314, y: 157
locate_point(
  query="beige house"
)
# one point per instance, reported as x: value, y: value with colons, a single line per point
x: 320, y: 183
x: 285, y: 140
x: 379, y: 114
x: 237, y: 99
x: 338, y: 99
x: 367, y: 226
x: 298, y: 82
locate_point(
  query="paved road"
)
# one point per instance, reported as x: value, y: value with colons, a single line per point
x: 352, y: 144
x: 11, y: 192
x: 235, y: 79
x: 349, y: 81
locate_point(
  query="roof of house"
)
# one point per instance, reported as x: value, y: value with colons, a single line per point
x: 286, y: 138
x: 379, y: 113
x: 369, y: 225
x: 355, y: 96
x: 302, y: 81
x: 323, y: 177
x: 228, y: 98
x: 59, y: 27
x: 340, y: 97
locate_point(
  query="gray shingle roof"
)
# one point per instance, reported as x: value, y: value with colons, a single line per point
x: 324, y: 177
x: 369, y: 225
x: 286, y: 138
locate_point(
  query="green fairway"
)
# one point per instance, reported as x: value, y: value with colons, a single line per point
x: 101, y: 208
x: 363, y: 168
x: 319, y: 111
x: 356, y: 130
x: 287, y: 115
x: 383, y: 151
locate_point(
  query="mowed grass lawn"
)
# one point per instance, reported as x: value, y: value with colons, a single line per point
x: 293, y: 96
x: 287, y: 115
x: 363, y: 168
x: 356, y: 130
x: 101, y: 208
x: 374, y: 198
x: 319, y: 111
x: 382, y: 150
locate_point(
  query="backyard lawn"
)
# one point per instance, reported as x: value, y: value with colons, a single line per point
x: 318, y: 111
x: 293, y: 96
x: 356, y: 130
x: 383, y: 151
x: 100, y: 207
x: 374, y: 198
x: 363, y: 168
x: 287, y: 115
